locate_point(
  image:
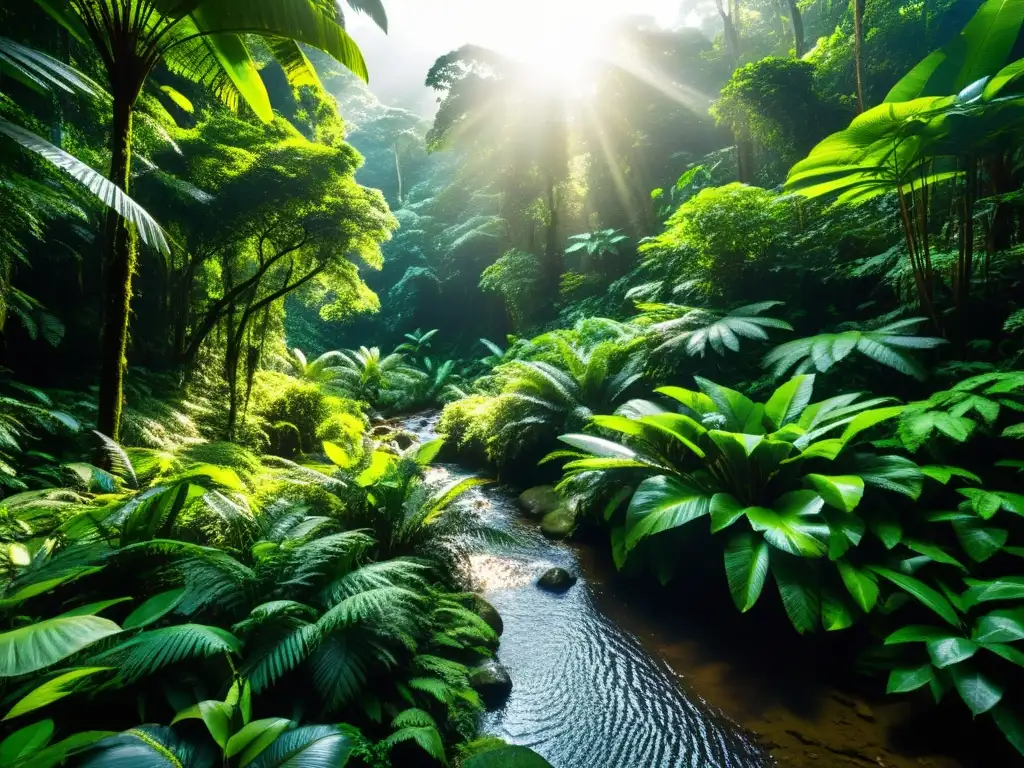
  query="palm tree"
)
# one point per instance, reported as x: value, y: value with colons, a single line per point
x: 202, y: 40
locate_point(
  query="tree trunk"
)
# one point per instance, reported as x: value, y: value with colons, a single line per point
x: 118, y: 268
x: 858, y: 49
x: 551, y: 250
x: 731, y: 31
x: 798, y: 29
x: 746, y: 166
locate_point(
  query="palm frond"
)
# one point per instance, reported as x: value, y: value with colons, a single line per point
x: 108, y: 193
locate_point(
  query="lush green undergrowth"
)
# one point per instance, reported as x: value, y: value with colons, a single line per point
x: 195, y: 603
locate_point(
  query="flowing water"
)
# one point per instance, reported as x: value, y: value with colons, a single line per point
x: 585, y: 693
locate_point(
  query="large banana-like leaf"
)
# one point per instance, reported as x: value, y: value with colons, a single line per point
x: 43, y: 644
x: 979, y: 51
x: 372, y: 8
x: 148, y: 746
x: 299, y: 20
x: 296, y: 65
x: 313, y: 746
x: 102, y: 188
x: 232, y: 54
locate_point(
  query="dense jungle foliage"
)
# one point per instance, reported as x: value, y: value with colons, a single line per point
x: 748, y: 290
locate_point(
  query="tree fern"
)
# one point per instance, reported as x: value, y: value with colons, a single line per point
x: 885, y: 345
x: 698, y: 328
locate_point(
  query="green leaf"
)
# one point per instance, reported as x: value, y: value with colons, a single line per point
x: 215, y: 714
x: 860, y: 584
x: 980, y: 543
x: 797, y: 587
x: 886, y: 526
x: 725, y: 510
x: 949, y: 650
x: 843, y: 492
x: 921, y: 592
x: 40, y: 645
x: 108, y: 193
x: 916, y: 633
x: 311, y: 745
x: 299, y: 20
x: 933, y: 552
x: 380, y: 461
x: 746, y: 567
x: 978, y: 692
x: 25, y: 742
x: 836, y: 611
x: 943, y: 474
x: 51, y: 691
x: 661, y: 504
x: 906, y: 679
x: 1002, y: 626
x: 428, y: 451
x: 789, y: 401
x: 154, y: 609
x: 337, y: 455
x: 979, y: 51
x: 1008, y: 652
x: 179, y: 99
x: 1005, y: 588
x: 57, y: 754
x: 1011, y: 725
x: 794, y: 525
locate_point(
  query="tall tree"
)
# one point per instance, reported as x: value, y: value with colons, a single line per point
x: 204, y: 41
x: 797, y: 20
x: 858, y: 48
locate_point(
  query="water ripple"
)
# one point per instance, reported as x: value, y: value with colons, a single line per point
x: 585, y: 693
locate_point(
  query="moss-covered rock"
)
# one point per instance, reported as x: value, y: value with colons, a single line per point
x: 491, y: 680
x: 490, y: 615
x: 556, y: 580
x: 539, y: 501
x: 558, y: 524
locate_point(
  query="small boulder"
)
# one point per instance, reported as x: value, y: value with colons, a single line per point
x: 558, y: 524
x: 537, y: 502
x: 490, y: 615
x: 556, y: 580
x: 491, y: 680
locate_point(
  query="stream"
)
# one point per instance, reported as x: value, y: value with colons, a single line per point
x: 585, y: 692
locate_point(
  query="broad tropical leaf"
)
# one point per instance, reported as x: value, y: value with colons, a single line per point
x: 746, y: 567
x: 43, y: 644
x: 661, y: 504
x: 308, y: 747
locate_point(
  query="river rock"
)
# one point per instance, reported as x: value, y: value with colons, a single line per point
x: 556, y: 580
x: 491, y: 680
x: 558, y: 524
x: 490, y: 615
x: 537, y: 502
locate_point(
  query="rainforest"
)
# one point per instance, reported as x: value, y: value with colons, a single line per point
x: 564, y: 384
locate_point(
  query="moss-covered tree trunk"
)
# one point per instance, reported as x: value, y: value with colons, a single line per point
x: 119, y: 258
